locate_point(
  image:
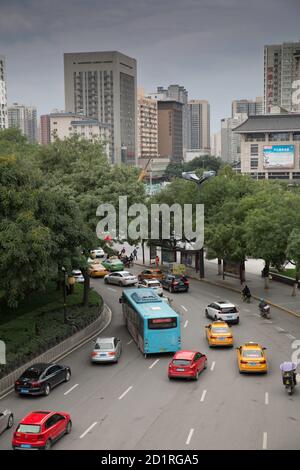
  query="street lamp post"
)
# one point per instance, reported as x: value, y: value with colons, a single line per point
x: 191, y: 176
x: 65, y: 293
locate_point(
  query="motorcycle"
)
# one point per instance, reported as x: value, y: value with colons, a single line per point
x: 265, y: 311
x: 288, y: 370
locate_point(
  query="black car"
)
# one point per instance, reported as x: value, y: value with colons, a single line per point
x: 175, y: 283
x: 40, y: 378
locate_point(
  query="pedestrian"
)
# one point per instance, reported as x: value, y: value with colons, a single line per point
x: 157, y: 260
x: 134, y: 253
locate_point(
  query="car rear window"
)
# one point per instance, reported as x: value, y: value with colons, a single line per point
x: 29, y: 428
x: 229, y: 310
x: 220, y: 329
x: 31, y: 374
x: 255, y: 353
x: 181, y: 362
x: 104, y: 346
x: 154, y: 284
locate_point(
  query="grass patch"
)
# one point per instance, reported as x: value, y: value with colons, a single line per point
x: 291, y: 272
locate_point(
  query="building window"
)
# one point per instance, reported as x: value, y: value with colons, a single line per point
x: 296, y: 136
x: 255, y: 137
x: 254, y: 163
x: 254, y: 149
x: 279, y: 136
x: 279, y: 175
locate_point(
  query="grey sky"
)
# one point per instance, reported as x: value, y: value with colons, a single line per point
x: 212, y: 47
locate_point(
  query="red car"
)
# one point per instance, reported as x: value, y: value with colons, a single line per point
x: 41, y: 429
x: 187, y: 364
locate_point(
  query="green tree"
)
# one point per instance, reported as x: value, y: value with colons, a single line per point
x: 293, y: 253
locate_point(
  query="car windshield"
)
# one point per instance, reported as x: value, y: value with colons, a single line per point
x: 30, y: 374
x: 29, y: 428
x: 220, y: 329
x: 181, y: 362
x: 229, y: 310
x: 154, y: 284
x: 104, y: 346
x: 252, y: 353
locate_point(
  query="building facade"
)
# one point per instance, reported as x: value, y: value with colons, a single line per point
x: 3, y: 95
x: 231, y: 141
x: 215, y: 144
x: 45, y: 134
x: 24, y: 118
x: 198, y: 125
x: 170, y: 130
x: 270, y: 146
x: 249, y: 107
x: 147, y: 126
x: 281, y: 71
x: 102, y: 86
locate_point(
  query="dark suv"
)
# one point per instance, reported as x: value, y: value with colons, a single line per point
x: 40, y: 378
x: 175, y: 283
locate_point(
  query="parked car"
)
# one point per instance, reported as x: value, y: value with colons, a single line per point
x: 223, y: 310
x: 98, y: 252
x: 122, y: 278
x: 150, y: 273
x: 6, y: 420
x: 97, y: 270
x: 153, y: 284
x: 187, y: 364
x: 106, y: 350
x: 41, y: 378
x: 78, y: 275
x: 113, y: 264
x: 41, y: 429
x: 175, y: 283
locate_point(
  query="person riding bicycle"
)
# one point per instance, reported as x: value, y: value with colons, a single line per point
x: 246, y: 292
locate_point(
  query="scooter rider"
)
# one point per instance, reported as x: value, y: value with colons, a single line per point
x: 262, y: 304
x: 246, y: 292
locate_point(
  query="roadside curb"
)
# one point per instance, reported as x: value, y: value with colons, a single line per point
x: 104, y: 323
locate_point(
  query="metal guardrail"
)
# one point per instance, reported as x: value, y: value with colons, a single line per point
x: 57, y: 351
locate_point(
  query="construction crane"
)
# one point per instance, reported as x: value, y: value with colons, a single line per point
x: 144, y: 171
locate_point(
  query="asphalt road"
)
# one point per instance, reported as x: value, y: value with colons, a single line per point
x: 133, y: 405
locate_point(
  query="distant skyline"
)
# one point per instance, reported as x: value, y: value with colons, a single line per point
x: 214, y: 48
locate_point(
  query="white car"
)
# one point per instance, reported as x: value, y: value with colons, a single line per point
x: 6, y: 420
x: 222, y: 310
x: 98, y: 252
x: 121, y: 278
x: 78, y: 275
x: 153, y: 284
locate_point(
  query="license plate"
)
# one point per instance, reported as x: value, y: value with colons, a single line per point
x: 252, y: 363
x: 222, y: 339
x: 229, y: 317
x: 180, y: 370
x: 24, y: 390
x: 25, y: 446
x: 103, y: 354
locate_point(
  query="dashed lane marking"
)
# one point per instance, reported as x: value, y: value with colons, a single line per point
x: 88, y: 430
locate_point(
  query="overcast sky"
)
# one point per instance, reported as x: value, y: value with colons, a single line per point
x: 212, y: 47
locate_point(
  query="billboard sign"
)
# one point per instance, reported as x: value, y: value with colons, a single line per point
x: 279, y: 156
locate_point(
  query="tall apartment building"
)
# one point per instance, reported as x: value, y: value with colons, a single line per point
x: 231, y: 141
x: 3, y: 96
x: 249, y: 107
x: 198, y: 125
x: 215, y: 144
x: 24, y: 118
x: 180, y: 94
x: 281, y: 71
x: 170, y: 130
x: 147, y: 126
x: 102, y: 86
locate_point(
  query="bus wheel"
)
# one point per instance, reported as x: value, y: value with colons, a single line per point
x: 145, y: 355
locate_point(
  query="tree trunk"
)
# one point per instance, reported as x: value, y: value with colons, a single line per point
x: 86, y: 287
x: 219, y: 267
x: 267, y: 272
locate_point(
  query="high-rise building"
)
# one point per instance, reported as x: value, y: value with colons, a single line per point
x: 147, y: 126
x: 3, y: 96
x: 215, y: 144
x: 198, y: 125
x: 45, y: 135
x: 102, y: 86
x: 180, y: 94
x: 170, y: 130
x: 281, y: 71
x: 231, y: 141
x: 24, y: 118
x: 249, y: 107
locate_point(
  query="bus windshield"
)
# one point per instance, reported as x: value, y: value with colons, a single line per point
x: 162, y: 323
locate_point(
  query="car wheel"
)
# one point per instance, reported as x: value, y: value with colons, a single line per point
x: 121, y: 284
x: 69, y: 427
x: 68, y: 376
x: 170, y: 289
x: 48, y: 445
x: 106, y: 281
x: 206, y: 313
x: 215, y: 318
x: 238, y: 321
x: 205, y: 365
x: 10, y: 421
x: 197, y: 375
x: 47, y: 390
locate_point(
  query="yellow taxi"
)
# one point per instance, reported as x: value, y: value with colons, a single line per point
x: 218, y: 333
x: 252, y: 358
x: 97, y: 270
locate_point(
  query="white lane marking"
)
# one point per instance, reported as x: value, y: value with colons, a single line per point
x: 266, y: 398
x: 213, y: 365
x: 265, y: 440
x: 290, y: 336
x: 70, y: 389
x: 185, y: 324
x: 190, y: 436
x: 153, y: 363
x: 113, y: 290
x: 125, y: 393
x: 203, y: 395
x: 185, y: 309
x: 129, y: 342
x: 88, y: 430
x: 278, y: 328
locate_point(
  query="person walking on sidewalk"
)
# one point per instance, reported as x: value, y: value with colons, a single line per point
x: 157, y: 261
x: 134, y: 253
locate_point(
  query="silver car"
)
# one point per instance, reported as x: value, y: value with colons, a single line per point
x: 121, y: 278
x: 153, y: 284
x: 106, y: 350
x: 6, y: 420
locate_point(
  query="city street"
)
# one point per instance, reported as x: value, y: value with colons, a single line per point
x: 133, y: 404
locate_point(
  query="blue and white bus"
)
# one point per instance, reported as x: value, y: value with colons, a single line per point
x: 153, y: 324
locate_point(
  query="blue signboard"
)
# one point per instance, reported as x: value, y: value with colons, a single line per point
x: 279, y: 156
